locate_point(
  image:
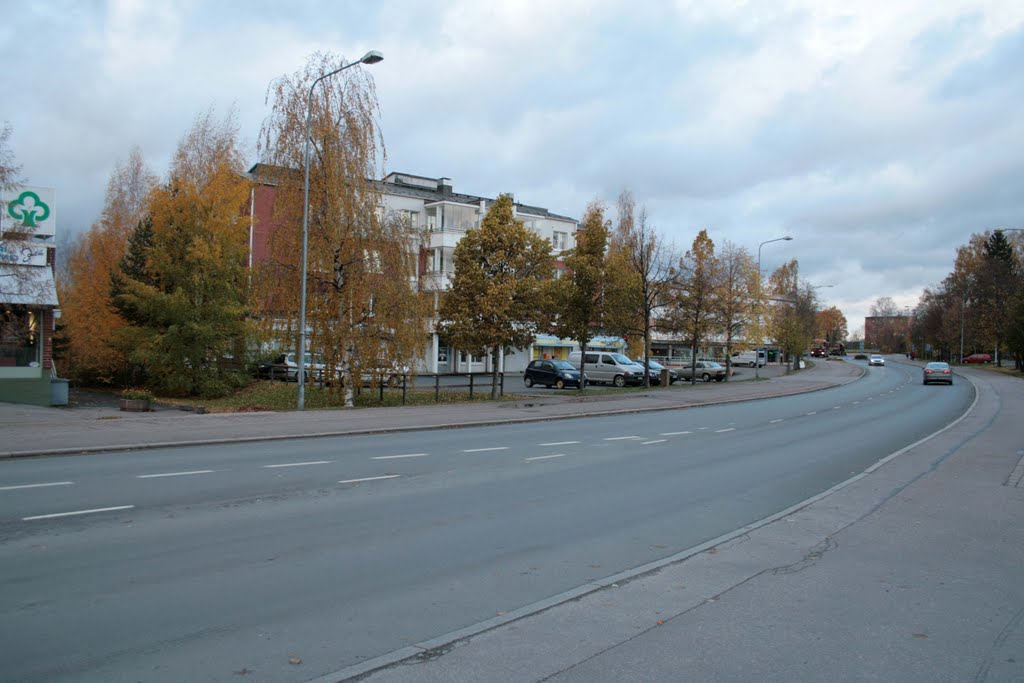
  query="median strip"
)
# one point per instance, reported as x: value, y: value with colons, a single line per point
x: 77, y: 512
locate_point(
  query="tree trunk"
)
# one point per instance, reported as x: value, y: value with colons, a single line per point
x: 348, y: 379
x: 583, y: 364
x: 693, y: 363
x: 494, y: 373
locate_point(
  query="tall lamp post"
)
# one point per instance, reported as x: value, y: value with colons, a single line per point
x: 371, y: 57
x: 757, y: 356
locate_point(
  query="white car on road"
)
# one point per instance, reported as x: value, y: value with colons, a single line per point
x: 876, y: 359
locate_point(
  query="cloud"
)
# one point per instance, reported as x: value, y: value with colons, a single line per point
x: 879, y: 134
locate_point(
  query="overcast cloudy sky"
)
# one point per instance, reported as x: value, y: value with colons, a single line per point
x: 879, y: 135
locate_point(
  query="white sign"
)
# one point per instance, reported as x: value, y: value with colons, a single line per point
x: 22, y: 253
x: 30, y: 210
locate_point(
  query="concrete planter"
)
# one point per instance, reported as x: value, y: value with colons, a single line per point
x: 135, y: 405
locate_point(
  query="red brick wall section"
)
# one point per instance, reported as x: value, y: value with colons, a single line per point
x: 48, y: 339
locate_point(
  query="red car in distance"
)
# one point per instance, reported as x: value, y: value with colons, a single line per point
x: 978, y: 358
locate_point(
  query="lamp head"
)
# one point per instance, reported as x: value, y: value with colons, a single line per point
x: 372, y: 57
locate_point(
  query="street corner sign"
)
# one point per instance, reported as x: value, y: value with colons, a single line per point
x: 30, y: 210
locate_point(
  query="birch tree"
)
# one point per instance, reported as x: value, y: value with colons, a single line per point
x: 641, y: 271
x: 364, y: 310
x: 694, y: 289
x: 736, y: 297
x: 499, y: 296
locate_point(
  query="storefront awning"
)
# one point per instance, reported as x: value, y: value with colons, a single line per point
x: 30, y: 285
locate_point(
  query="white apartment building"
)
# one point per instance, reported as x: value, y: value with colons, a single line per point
x: 432, y: 206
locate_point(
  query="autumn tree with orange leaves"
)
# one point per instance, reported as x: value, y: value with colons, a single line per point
x: 183, y: 288
x: 90, y: 322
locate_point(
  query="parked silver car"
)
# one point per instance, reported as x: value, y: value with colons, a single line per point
x: 706, y: 370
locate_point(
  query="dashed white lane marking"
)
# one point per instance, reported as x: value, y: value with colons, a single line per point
x: 813, y: 412
x: 856, y: 402
x: 481, y: 450
x: 673, y: 433
x: 620, y: 438
x: 545, y: 457
x: 356, y: 481
x: 404, y: 455
x: 77, y: 512
x: 559, y: 443
x: 36, y: 486
x: 730, y: 429
x: 773, y: 421
x: 835, y: 407
x: 173, y: 474
x: 644, y: 443
x: 299, y: 464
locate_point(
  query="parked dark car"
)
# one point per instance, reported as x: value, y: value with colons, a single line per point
x: 655, y: 368
x: 551, y: 373
x: 938, y: 373
x: 978, y: 358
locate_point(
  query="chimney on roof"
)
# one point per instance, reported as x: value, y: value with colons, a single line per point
x: 444, y: 186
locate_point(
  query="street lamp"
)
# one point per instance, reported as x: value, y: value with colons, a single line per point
x: 757, y: 357
x: 371, y: 57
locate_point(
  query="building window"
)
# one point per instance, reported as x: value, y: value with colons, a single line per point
x: 560, y: 240
x: 19, y: 336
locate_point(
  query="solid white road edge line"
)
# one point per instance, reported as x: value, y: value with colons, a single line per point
x: 406, y: 455
x: 300, y: 464
x: 546, y: 457
x: 172, y: 474
x: 77, y: 512
x: 36, y: 486
x: 356, y: 481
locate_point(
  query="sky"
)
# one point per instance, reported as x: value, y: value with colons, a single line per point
x: 879, y: 135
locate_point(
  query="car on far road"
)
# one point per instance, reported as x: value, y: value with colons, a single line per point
x: 876, y: 359
x: 551, y: 373
x: 938, y: 373
x: 706, y: 370
x: 860, y: 356
x: 978, y: 358
x: 655, y: 370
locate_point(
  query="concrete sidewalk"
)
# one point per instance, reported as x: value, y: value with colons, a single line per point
x: 33, y: 430
x: 910, y: 571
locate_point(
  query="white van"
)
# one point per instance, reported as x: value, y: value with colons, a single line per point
x: 749, y: 358
x: 607, y: 367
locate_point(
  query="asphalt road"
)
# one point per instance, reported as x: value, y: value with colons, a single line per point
x: 232, y: 560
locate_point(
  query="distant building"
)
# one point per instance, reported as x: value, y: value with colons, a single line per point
x: 28, y: 297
